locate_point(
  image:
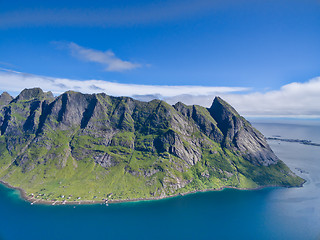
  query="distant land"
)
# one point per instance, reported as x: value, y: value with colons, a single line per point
x: 302, y: 141
x: 93, y: 147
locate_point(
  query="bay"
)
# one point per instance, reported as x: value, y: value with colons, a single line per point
x: 270, y: 213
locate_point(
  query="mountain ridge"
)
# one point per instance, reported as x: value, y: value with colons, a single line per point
x: 51, y: 146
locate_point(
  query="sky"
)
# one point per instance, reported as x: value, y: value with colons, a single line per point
x: 262, y: 56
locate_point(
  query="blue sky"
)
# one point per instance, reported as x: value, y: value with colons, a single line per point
x: 256, y: 46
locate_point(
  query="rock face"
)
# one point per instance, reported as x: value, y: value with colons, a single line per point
x: 238, y: 134
x: 5, y: 99
x: 130, y: 148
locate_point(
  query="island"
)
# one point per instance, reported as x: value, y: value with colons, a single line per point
x: 90, y: 148
x: 301, y: 141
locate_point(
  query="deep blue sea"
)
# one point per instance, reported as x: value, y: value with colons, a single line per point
x: 271, y: 213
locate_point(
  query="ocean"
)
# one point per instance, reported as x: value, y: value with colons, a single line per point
x: 270, y: 213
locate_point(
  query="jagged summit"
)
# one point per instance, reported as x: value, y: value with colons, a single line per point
x: 32, y: 93
x: 5, y: 98
x: 240, y: 135
x: 219, y: 103
x: 130, y: 148
x: 221, y: 122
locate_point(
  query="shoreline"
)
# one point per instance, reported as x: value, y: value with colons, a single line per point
x: 36, y: 201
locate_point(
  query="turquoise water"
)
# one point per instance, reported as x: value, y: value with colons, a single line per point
x: 272, y: 213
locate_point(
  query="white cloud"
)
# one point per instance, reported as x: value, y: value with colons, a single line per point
x: 107, y: 58
x: 294, y: 99
x: 16, y: 81
x: 291, y: 100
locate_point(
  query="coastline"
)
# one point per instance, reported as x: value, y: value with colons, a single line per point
x: 301, y: 141
x: 32, y: 201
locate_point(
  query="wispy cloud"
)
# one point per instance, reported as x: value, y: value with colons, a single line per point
x: 291, y: 100
x: 146, y: 14
x: 15, y: 81
x: 108, y: 59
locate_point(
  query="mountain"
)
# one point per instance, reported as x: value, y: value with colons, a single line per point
x: 5, y: 99
x: 94, y: 146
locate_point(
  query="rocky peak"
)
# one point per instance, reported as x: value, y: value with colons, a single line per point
x: 219, y: 103
x: 5, y: 99
x: 183, y: 109
x: 240, y: 135
x: 32, y: 93
x: 222, y: 112
x: 227, y: 118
